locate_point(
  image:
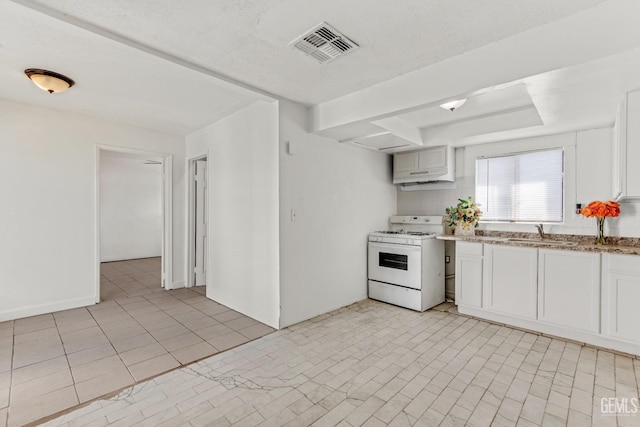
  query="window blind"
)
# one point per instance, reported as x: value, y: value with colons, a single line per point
x: 524, y: 187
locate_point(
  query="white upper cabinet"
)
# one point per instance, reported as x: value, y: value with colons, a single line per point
x: 594, y: 149
x: 626, y: 155
x: 405, y: 162
x: 429, y: 164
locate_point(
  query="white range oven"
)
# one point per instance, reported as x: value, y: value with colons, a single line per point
x: 406, y: 263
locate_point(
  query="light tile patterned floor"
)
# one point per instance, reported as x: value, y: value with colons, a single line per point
x: 374, y: 364
x: 52, y: 362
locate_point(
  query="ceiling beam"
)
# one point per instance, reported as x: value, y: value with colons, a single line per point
x: 606, y: 29
x: 224, y: 80
x: 401, y: 128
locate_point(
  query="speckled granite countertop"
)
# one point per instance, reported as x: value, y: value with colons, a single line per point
x: 566, y: 242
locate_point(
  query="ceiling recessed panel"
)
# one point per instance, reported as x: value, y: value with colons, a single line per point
x: 485, y: 103
x: 457, y: 133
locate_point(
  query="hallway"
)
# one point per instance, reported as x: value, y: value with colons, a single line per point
x: 53, y: 362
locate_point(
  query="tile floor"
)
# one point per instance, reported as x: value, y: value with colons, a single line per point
x: 52, y: 362
x: 374, y: 364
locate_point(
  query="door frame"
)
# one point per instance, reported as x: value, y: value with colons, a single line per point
x: 167, y: 218
x: 191, y: 210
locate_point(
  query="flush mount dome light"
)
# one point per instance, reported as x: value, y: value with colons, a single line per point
x: 50, y: 81
x: 452, y: 105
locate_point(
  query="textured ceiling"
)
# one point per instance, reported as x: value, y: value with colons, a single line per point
x: 246, y: 40
x: 529, y: 67
x: 113, y: 81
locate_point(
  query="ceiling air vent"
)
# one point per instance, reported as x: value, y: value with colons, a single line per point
x: 324, y: 43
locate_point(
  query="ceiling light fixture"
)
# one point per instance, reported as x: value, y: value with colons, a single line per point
x: 48, y: 80
x: 452, y: 105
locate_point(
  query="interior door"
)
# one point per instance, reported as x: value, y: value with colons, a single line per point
x: 200, y: 229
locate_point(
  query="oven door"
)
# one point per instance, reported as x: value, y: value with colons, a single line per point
x: 395, y: 264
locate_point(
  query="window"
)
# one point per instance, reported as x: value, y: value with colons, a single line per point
x: 525, y: 187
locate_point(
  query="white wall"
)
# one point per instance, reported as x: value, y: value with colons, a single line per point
x: 242, y: 165
x: 588, y: 177
x: 48, y: 171
x: 339, y: 193
x: 130, y: 208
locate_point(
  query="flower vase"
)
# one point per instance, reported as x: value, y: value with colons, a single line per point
x: 600, y: 238
x: 465, y: 229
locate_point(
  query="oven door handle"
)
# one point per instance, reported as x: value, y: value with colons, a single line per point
x: 396, y: 247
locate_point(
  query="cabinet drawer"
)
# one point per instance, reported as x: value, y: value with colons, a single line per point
x: 396, y: 295
x: 625, y: 263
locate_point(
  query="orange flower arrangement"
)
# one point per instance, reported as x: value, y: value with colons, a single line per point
x: 601, y: 210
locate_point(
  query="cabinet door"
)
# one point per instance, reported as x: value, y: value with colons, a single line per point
x: 633, y: 146
x: 619, y: 148
x: 626, y: 148
x: 405, y: 162
x: 511, y: 280
x: 569, y: 289
x: 469, y: 274
x: 433, y: 158
x: 621, y: 296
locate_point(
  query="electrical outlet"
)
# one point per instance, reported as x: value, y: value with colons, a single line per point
x: 447, y: 259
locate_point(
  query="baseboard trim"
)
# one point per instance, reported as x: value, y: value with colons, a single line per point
x: 323, y: 311
x: 177, y: 285
x: 35, y: 310
x: 131, y: 258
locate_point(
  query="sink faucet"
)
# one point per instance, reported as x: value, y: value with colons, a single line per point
x: 540, y: 229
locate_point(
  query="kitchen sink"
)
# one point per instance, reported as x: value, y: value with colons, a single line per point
x: 541, y: 242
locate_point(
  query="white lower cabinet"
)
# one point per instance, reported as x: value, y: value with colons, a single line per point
x: 469, y: 274
x: 583, y: 296
x: 569, y: 289
x: 621, y: 297
x: 510, y: 278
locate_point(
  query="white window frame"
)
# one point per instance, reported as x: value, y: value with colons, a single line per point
x: 512, y: 154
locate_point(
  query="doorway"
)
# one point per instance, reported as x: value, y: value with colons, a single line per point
x: 133, y: 211
x: 198, y: 217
